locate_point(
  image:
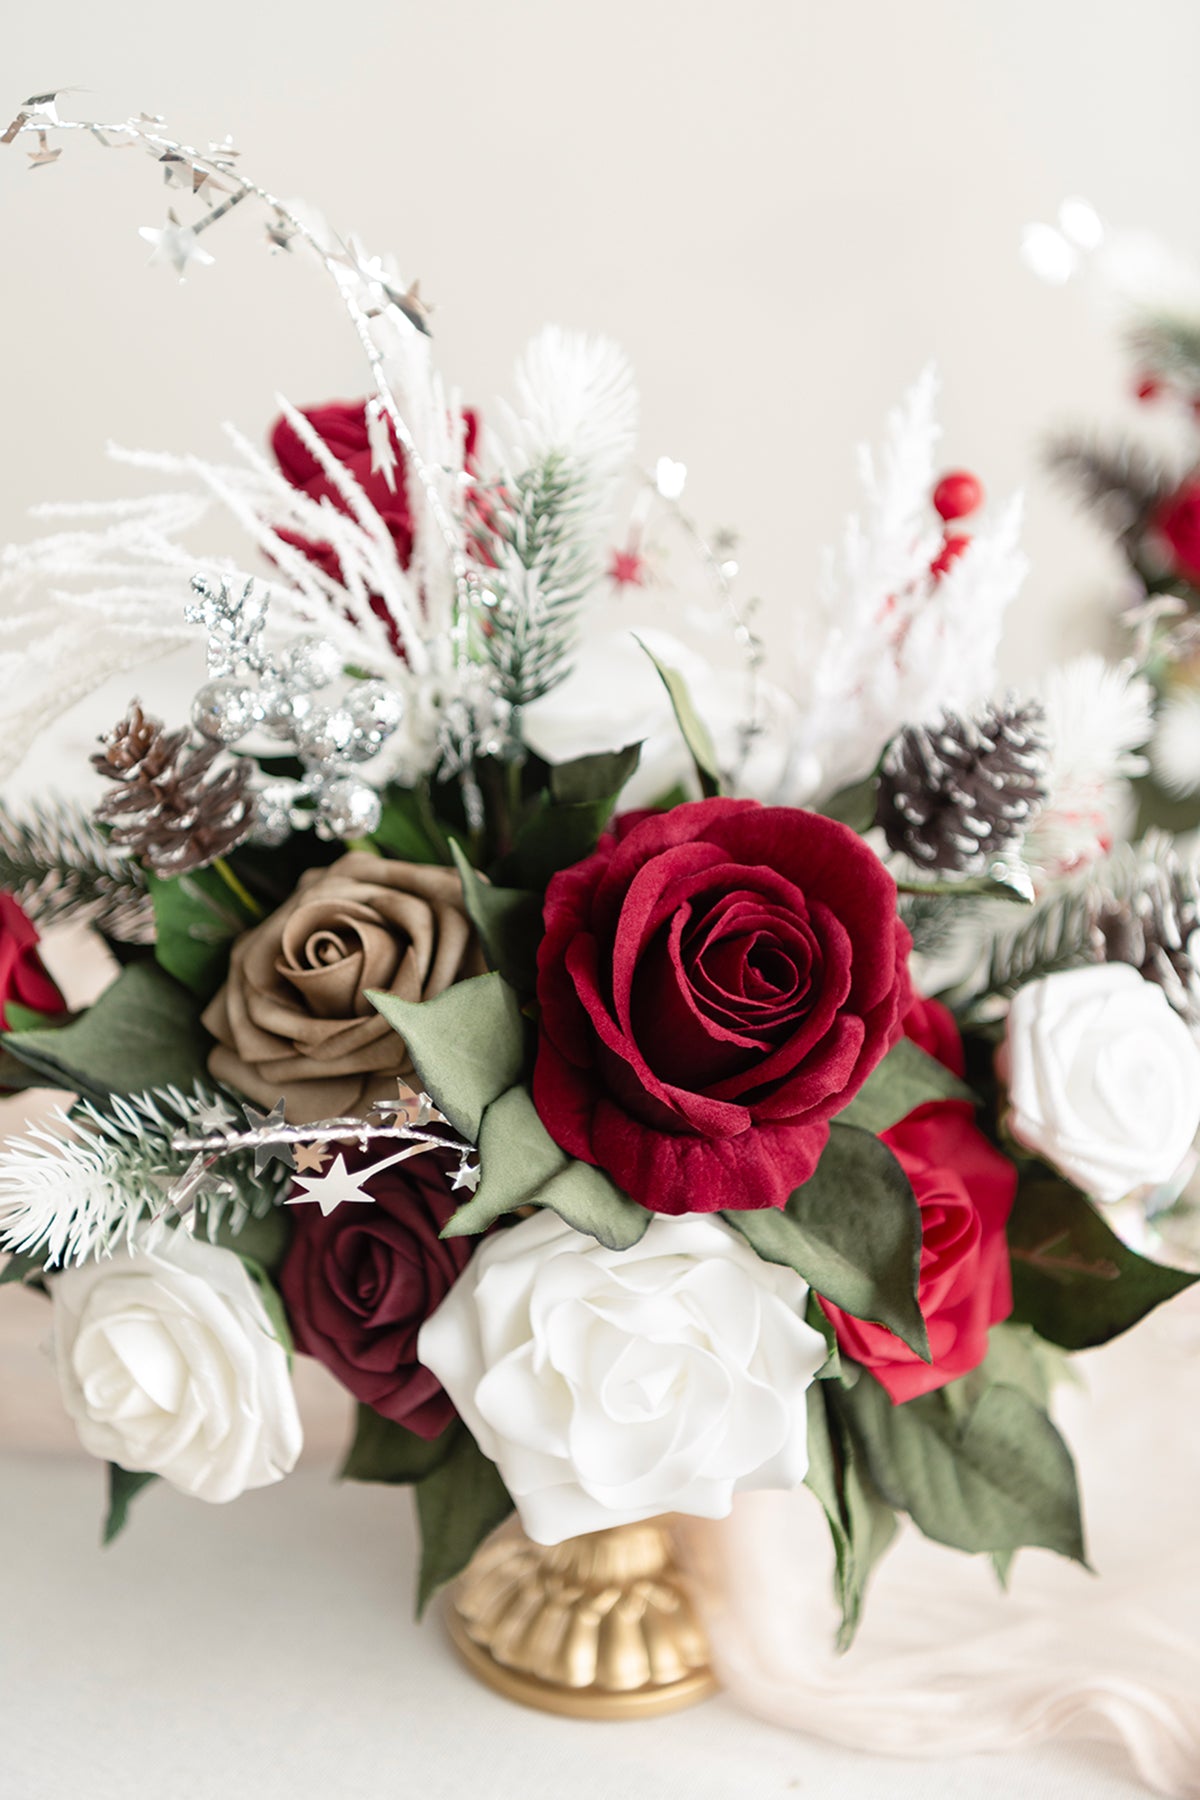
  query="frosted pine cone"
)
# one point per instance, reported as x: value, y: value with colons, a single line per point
x: 170, y: 807
x: 954, y: 796
x: 1145, y: 908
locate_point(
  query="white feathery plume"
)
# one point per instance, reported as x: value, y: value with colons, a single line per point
x: 1098, y: 715
x: 891, y: 643
x: 1175, y: 751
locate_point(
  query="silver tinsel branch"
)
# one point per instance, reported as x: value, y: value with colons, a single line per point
x: 56, y: 861
x: 362, y: 281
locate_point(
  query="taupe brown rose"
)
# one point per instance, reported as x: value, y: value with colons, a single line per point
x: 293, y: 1019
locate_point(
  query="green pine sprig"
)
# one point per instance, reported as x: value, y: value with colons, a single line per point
x: 59, y: 865
x: 541, y: 545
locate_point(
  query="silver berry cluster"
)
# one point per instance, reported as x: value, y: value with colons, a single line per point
x: 251, y: 689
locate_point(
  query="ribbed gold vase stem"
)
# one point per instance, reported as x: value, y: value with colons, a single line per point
x: 600, y: 1627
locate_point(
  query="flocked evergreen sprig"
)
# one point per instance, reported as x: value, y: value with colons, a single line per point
x: 1166, y: 345
x: 1139, y: 905
x: 544, y: 519
x: 1121, y: 482
x: 61, y: 865
x: 542, y: 576
x: 82, y: 1186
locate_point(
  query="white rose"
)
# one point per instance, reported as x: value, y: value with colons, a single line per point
x: 1104, y: 1078
x: 610, y: 1386
x: 169, y: 1364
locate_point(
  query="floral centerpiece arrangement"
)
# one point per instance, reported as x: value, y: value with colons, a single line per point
x: 531, y: 1019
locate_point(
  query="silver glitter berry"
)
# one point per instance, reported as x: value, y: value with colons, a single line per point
x: 311, y: 662
x: 347, y: 808
x: 326, y: 734
x: 224, y: 710
x: 377, y: 711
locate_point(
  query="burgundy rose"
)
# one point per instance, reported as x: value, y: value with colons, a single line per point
x: 965, y: 1189
x: 715, y: 982
x: 22, y: 977
x: 1177, y: 524
x: 359, y: 1284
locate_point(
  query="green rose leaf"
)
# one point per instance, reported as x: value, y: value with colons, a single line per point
x: 144, y: 1031
x: 20, y: 1268
x: 906, y: 1078
x: 459, y: 1504
x: 521, y: 1165
x: 467, y: 1045
x: 861, y: 1522
x: 407, y: 829
x: 385, y: 1451
x: 262, y: 1240
x: 553, y: 837
x: 1074, y: 1280
x: 853, y: 1231
x: 1009, y: 881
x: 599, y: 777
x: 123, y: 1487
x: 272, y: 1301
x: 196, y: 918
x: 696, y: 734
x: 990, y: 1478
x: 854, y: 805
x: 28, y: 1018
x: 509, y: 923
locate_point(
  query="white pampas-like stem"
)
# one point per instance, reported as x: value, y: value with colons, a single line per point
x: 891, y: 644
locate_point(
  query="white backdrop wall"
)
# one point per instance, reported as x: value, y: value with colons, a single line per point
x: 781, y: 209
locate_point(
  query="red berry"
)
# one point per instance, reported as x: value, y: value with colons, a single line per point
x: 1148, y: 388
x: 957, y: 494
x: 953, y: 545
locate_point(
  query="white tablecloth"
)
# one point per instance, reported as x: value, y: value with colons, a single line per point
x: 267, y: 1651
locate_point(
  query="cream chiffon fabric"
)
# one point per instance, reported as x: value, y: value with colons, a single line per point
x: 945, y: 1663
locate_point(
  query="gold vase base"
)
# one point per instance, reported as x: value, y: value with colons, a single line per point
x: 600, y: 1627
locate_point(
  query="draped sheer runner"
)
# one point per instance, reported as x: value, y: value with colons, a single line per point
x: 947, y: 1664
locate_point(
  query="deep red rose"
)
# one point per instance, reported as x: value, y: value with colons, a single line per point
x: 715, y: 983
x: 359, y: 1285
x: 1177, y: 523
x: 965, y: 1190
x: 22, y: 977
x: 342, y: 426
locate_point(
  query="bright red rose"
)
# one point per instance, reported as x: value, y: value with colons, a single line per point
x: 965, y: 1191
x: 359, y: 1284
x: 1177, y: 523
x: 22, y: 977
x: 715, y: 983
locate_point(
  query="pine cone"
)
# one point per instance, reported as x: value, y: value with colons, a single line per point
x: 1153, y: 925
x: 954, y: 796
x: 170, y: 808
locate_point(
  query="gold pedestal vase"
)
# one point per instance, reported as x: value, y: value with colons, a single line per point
x: 599, y: 1627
